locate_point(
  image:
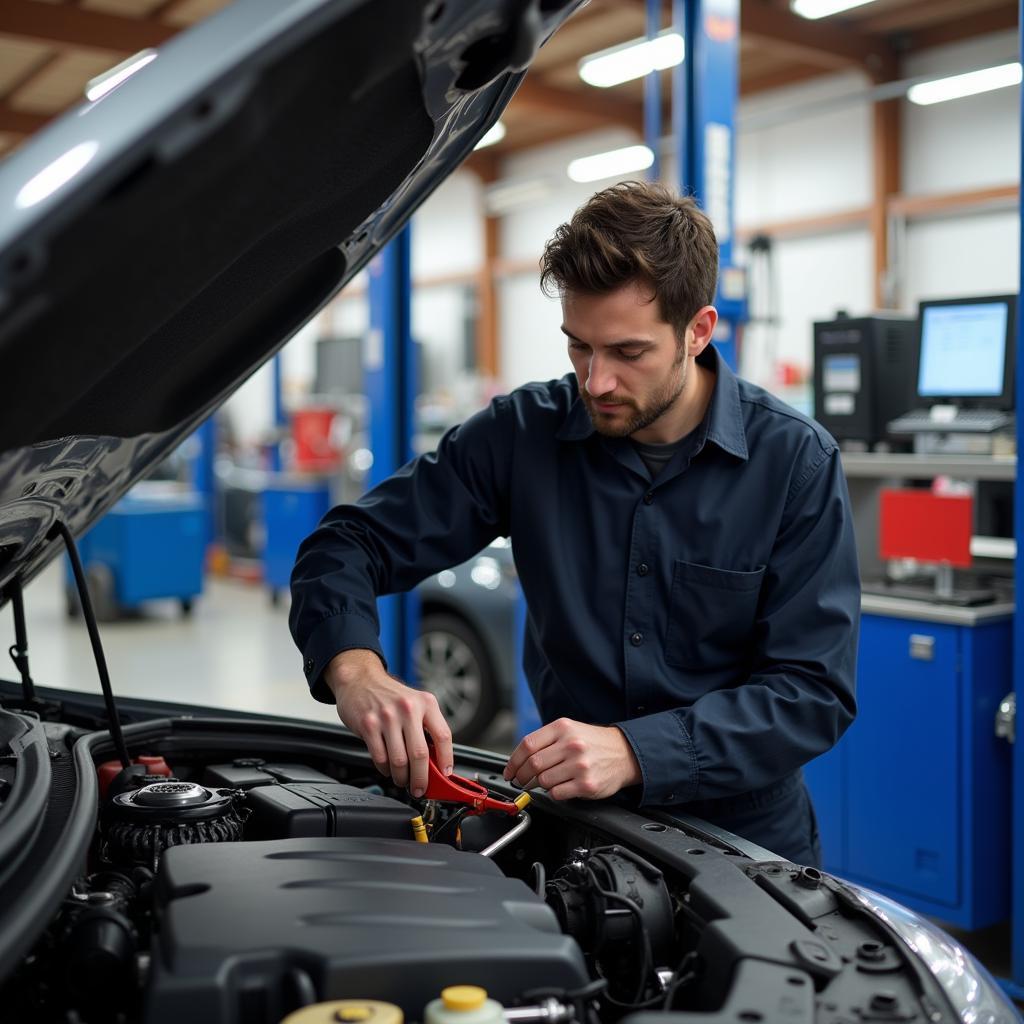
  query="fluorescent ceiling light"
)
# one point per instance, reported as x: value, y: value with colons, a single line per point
x: 632, y: 60
x: 493, y: 134
x: 102, y: 84
x: 55, y: 175
x: 823, y: 8
x: 969, y: 84
x: 611, y: 164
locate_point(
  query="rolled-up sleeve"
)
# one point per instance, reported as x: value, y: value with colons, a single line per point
x: 799, y: 696
x: 435, y: 512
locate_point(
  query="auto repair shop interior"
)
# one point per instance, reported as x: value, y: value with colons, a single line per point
x: 860, y: 162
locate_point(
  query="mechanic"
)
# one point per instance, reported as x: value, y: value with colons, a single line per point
x: 683, y: 540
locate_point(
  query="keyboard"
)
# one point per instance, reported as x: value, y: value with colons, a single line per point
x: 966, y: 421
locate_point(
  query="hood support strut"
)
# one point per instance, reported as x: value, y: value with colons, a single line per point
x: 113, y: 721
x: 19, y: 649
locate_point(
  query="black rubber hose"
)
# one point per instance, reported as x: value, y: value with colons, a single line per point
x: 113, y: 722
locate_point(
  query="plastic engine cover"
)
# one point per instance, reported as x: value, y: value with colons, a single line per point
x: 363, y: 918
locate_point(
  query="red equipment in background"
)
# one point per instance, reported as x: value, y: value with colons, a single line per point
x: 312, y: 429
x: 929, y: 527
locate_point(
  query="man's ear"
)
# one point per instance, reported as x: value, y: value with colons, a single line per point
x: 700, y: 330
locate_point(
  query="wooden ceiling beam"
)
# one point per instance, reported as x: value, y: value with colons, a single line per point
x: 75, y: 26
x: 996, y: 19
x: 827, y: 46
x: 789, y: 75
x: 593, y: 107
x: 37, y: 68
x: 20, y: 122
x: 918, y: 14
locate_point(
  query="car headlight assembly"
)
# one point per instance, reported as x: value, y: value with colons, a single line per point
x: 974, y: 994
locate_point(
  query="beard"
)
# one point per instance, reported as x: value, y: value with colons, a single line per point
x: 639, y: 414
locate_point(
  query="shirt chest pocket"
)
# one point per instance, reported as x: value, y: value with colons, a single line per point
x: 711, y: 615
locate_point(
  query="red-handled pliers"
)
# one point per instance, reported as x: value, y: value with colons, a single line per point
x: 457, y: 790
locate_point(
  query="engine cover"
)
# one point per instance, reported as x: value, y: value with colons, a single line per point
x: 239, y: 924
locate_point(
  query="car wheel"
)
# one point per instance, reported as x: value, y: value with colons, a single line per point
x: 451, y: 662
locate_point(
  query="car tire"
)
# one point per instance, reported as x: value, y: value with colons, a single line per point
x: 451, y: 662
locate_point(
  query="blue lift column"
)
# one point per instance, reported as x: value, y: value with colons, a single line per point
x: 652, y: 96
x: 203, y: 477
x: 389, y: 379
x: 280, y: 417
x: 1016, y: 985
x: 704, y: 90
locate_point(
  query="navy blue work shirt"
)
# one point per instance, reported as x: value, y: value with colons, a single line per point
x: 711, y: 613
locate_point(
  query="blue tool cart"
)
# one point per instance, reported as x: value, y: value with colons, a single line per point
x: 929, y: 679
x: 150, y: 545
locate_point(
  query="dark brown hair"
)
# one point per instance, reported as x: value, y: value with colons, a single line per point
x: 637, y: 231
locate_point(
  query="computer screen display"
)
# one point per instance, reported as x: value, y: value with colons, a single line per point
x: 963, y: 349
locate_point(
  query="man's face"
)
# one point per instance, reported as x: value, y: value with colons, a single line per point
x: 630, y: 366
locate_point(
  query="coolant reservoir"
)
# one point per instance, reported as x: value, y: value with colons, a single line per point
x: 347, y: 1011
x: 463, y: 1004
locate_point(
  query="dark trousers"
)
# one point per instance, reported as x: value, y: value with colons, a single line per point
x: 779, y: 817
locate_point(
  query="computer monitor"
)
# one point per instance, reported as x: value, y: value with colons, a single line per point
x: 966, y: 352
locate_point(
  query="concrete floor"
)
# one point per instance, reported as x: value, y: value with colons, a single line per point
x: 234, y: 651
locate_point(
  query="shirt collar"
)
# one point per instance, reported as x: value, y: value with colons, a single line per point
x: 725, y: 415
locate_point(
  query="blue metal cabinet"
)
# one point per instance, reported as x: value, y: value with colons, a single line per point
x: 150, y: 545
x: 292, y: 508
x: 826, y: 779
x: 903, y: 768
x: 915, y: 800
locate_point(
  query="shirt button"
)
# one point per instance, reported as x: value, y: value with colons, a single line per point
x: 671, y: 797
x: 648, y: 497
x: 643, y: 569
x: 636, y: 639
x: 641, y: 708
x: 309, y: 665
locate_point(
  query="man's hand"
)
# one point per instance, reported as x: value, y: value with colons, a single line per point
x: 570, y: 759
x: 390, y: 717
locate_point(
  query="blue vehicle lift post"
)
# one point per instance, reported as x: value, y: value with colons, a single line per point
x: 203, y: 477
x: 704, y: 90
x: 652, y: 96
x: 1015, y: 986
x: 280, y: 416
x: 389, y: 376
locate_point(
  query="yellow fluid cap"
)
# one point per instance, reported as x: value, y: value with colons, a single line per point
x: 419, y: 830
x: 463, y: 997
x: 347, y: 1011
x: 522, y: 800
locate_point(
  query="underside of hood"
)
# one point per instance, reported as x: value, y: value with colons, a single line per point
x: 226, y: 192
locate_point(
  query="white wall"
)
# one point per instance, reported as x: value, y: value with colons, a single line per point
x: 815, y: 165
x: 969, y: 143
x: 965, y: 144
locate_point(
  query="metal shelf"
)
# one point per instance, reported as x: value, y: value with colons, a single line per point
x: 964, y: 467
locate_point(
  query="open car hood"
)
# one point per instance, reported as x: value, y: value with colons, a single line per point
x: 159, y: 244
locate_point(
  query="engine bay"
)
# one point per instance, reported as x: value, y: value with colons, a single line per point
x: 238, y: 873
